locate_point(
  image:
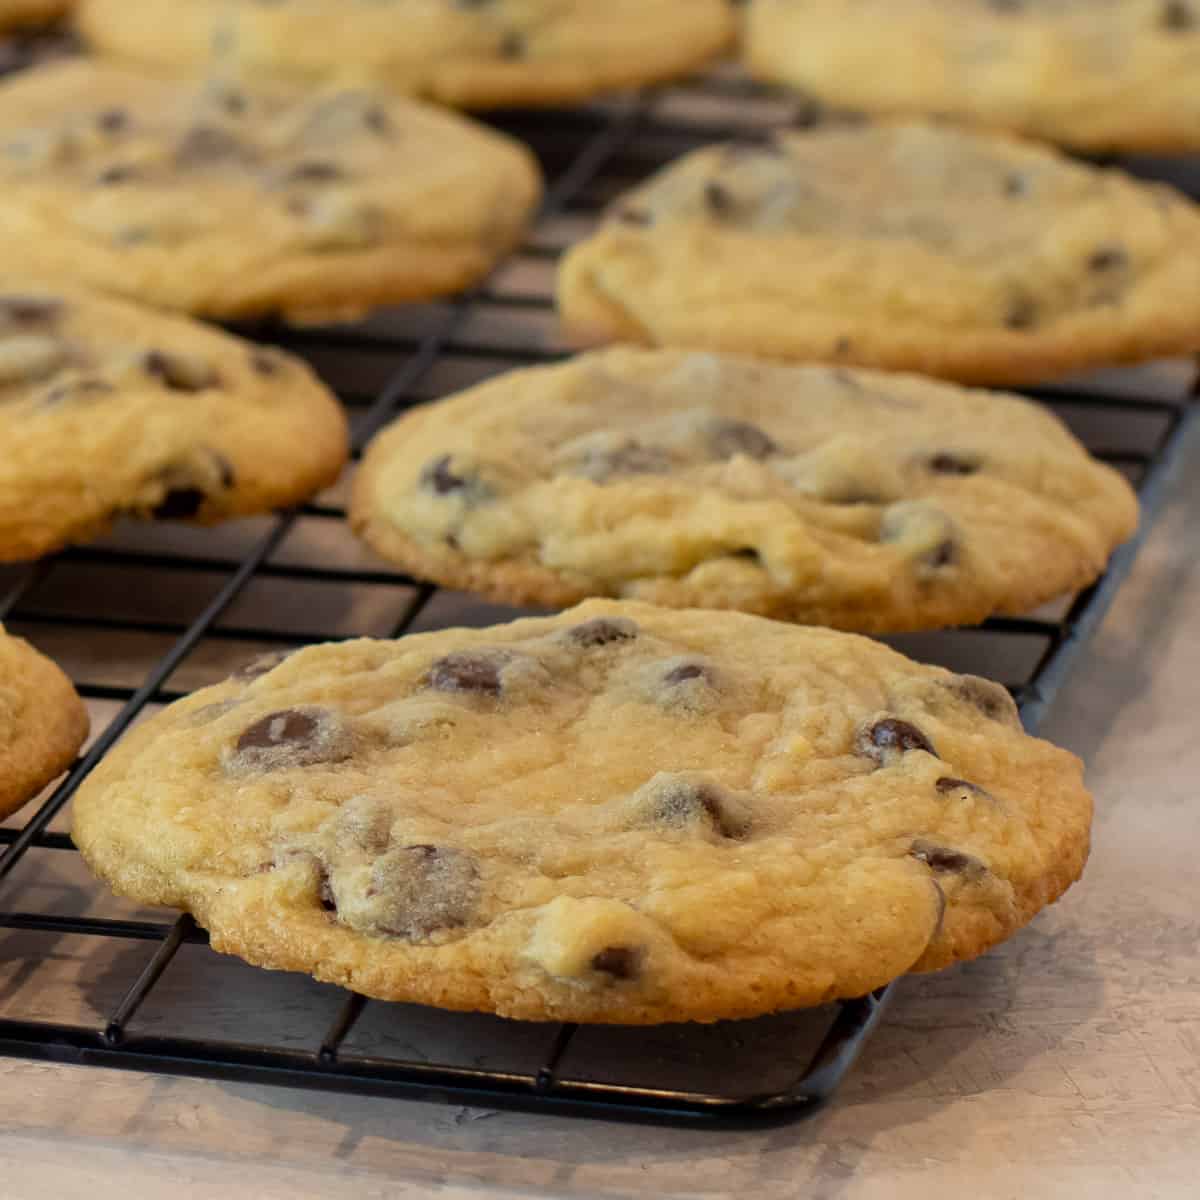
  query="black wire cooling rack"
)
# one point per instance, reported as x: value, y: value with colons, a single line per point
x: 155, y: 611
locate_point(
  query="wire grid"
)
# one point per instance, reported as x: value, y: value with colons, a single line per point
x: 319, y: 1037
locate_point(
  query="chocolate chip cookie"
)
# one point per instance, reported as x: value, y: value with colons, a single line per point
x: 910, y: 246
x: 42, y: 722
x: 472, y: 53
x: 24, y: 14
x: 1094, y: 74
x: 231, y: 201
x: 108, y: 409
x: 619, y: 814
x: 824, y: 495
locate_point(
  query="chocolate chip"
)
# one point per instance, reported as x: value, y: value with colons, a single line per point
x: 628, y: 215
x: 417, y: 891
x: 292, y: 737
x: 991, y: 699
x: 621, y: 962
x: 685, y: 672
x: 113, y: 120
x: 465, y: 672
x: 261, y: 665
x: 603, y: 631
x: 947, y: 463
x: 945, y: 860
x: 746, y: 552
x: 440, y: 479
x: 311, y: 172
x: 682, y: 803
x: 1016, y: 184
x: 718, y: 199
x: 948, y: 784
x: 886, y: 740
x: 118, y: 173
x: 375, y: 118
x: 266, y: 362
x: 1179, y: 15
x: 24, y: 311
x: 1022, y: 313
x: 203, y: 145
x: 1108, y: 258
x: 513, y: 45
x: 180, y: 504
x: 728, y: 438
x: 181, y: 373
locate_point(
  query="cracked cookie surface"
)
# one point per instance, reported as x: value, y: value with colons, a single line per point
x: 826, y: 495
x: 108, y: 408
x: 234, y: 200
x: 619, y: 814
x: 43, y: 722
x: 907, y: 246
x: 1099, y: 75
x: 471, y: 53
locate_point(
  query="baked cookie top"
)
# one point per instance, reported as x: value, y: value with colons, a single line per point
x: 824, y: 495
x: 477, y: 53
x: 619, y: 814
x: 42, y: 722
x: 108, y: 409
x: 232, y: 200
x: 1094, y: 74
x: 910, y: 246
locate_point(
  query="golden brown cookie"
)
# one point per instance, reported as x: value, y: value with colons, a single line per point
x: 230, y: 201
x: 475, y: 54
x: 825, y: 495
x: 619, y: 814
x: 908, y: 246
x: 110, y: 409
x: 42, y: 722
x: 1094, y: 74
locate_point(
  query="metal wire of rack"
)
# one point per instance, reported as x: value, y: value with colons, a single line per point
x: 134, y: 597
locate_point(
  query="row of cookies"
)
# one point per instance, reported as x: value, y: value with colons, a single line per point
x: 623, y: 813
x: 1121, y: 76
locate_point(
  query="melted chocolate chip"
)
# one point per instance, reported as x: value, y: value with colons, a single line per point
x: 178, y: 372
x: 465, y: 672
x: 685, y: 672
x: 117, y: 174
x: 266, y: 362
x: 945, y: 860
x: 261, y: 665
x: 603, y: 631
x: 621, y: 962
x: 684, y: 803
x: 113, y: 120
x: 1016, y: 184
x: 889, y: 738
x: 25, y: 311
x: 1022, y: 313
x: 312, y: 172
x: 948, y: 784
x: 375, y: 118
x: 417, y: 891
x: 718, y: 199
x: 513, y: 45
x: 728, y: 438
x: 437, y: 477
x: 180, y: 504
x: 1107, y: 258
x: 629, y: 459
x: 947, y: 463
x: 991, y: 699
x: 292, y: 737
x: 1178, y: 16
